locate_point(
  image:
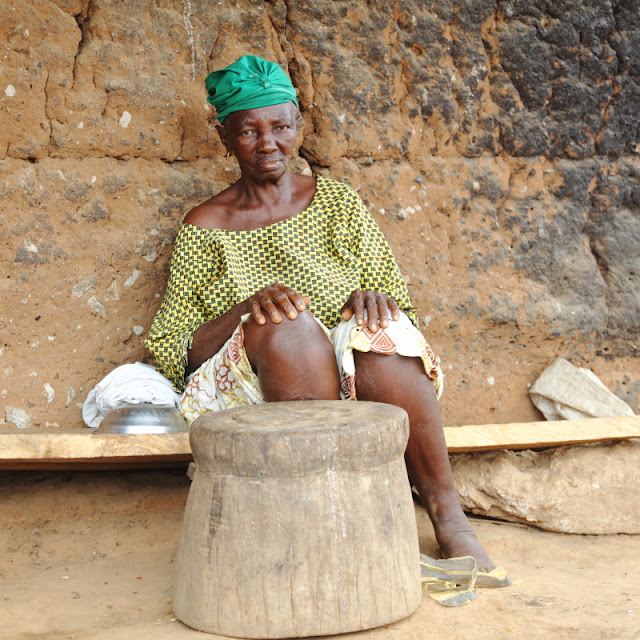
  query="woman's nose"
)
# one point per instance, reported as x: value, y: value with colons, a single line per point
x: 267, y: 142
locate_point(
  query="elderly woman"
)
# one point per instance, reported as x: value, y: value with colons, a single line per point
x: 282, y: 287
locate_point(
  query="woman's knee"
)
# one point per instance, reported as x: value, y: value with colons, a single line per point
x: 294, y: 359
x: 293, y: 338
x: 381, y: 376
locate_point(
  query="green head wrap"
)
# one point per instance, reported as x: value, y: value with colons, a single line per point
x: 248, y: 83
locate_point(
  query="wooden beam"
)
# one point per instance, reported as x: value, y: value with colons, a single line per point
x: 88, y: 449
x: 536, y: 435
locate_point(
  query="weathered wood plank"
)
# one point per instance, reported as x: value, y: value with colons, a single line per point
x: 534, y: 435
x: 84, y: 448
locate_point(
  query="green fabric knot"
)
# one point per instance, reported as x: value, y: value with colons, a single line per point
x: 249, y: 83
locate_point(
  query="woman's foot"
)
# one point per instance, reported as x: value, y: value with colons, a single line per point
x: 456, y: 538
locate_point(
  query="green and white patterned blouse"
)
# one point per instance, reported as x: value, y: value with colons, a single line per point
x: 324, y: 252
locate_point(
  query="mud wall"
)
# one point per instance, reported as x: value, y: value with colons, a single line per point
x: 495, y: 142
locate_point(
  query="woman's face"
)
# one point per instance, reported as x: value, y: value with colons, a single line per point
x: 262, y: 140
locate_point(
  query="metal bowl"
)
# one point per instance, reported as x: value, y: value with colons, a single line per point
x: 143, y: 418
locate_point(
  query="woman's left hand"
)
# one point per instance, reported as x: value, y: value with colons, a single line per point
x: 379, y: 306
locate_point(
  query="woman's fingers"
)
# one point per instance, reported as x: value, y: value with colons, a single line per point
x: 373, y: 317
x: 387, y: 309
x: 301, y: 302
x: 276, y: 299
x: 346, y: 312
x: 257, y: 314
x: 268, y: 306
x: 391, y: 310
x: 380, y: 309
x: 291, y: 302
x: 354, y: 306
x: 284, y: 302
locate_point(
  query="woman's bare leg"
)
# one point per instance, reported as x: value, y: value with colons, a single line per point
x: 293, y: 360
x: 401, y: 381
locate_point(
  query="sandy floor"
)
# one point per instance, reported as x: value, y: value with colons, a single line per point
x: 88, y: 556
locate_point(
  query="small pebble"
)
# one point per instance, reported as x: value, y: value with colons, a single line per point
x: 49, y: 393
x: 97, y: 306
x: 21, y: 418
x: 132, y: 278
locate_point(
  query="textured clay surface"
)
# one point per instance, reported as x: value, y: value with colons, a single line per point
x: 496, y: 143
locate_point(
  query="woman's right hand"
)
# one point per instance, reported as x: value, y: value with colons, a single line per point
x: 274, y: 301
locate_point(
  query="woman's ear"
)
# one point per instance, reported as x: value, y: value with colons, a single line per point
x: 222, y: 133
x: 297, y: 115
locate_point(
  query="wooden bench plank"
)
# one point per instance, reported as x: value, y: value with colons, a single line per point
x: 534, y: 435
x: 84, y: 448
x: 89, y: 449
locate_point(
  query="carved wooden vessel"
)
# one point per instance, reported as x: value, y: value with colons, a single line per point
x: 299, y: 521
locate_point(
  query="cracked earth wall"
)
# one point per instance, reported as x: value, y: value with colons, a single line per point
x: 496, y: 143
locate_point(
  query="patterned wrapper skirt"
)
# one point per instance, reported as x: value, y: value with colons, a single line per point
x: 227, y: 380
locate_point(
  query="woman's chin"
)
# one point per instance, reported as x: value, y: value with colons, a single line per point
x: 273, y: 165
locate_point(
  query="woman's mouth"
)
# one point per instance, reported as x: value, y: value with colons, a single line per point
x: 269, y: 163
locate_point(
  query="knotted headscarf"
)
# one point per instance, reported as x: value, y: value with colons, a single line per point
x: 248, y: 83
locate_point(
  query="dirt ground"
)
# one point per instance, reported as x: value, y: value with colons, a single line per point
x: 89, y: 556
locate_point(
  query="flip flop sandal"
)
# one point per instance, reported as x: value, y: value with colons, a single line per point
x: 453, y: 581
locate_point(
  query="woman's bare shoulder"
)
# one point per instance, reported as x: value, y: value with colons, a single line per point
x: 203, y: 216
x: 210, y: 214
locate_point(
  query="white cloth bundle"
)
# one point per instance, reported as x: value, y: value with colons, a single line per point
x: 565, y: 392
x: 128, y: 384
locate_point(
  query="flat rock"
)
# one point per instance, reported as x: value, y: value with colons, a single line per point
x: 576, y: 489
